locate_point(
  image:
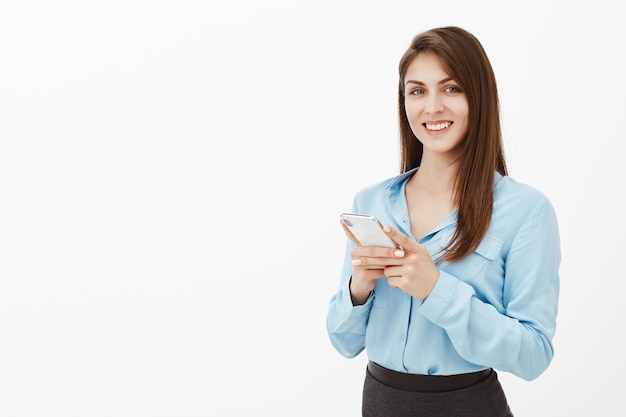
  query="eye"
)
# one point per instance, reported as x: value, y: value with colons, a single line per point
x: 416, y: 91
x: 452, y: 89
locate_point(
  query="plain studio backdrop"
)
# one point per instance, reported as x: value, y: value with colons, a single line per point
x: 172, y: 172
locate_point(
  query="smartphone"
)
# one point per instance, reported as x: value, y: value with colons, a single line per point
x: 368, y: 230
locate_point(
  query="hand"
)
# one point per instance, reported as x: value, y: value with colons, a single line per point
x: 364, y: 277
x: 410, y: 269
x: 416, y: 274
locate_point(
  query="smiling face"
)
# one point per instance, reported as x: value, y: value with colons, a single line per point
x: 436, y: 108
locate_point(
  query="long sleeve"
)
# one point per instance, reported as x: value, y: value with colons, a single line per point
x: 518, y: 338
x: 346, y: 323
x: 495, y: 308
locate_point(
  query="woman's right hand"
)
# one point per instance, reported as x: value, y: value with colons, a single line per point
x: 364, y: 276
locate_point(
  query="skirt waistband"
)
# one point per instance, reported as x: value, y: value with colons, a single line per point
x: 425, y: 383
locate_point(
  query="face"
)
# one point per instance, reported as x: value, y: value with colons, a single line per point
x: 436, y: 108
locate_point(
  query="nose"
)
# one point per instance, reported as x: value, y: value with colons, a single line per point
x: 434, y: 104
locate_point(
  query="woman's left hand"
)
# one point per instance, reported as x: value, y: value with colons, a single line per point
x: 415, y: 272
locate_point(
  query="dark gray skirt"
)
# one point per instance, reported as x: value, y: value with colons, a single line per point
x: 482, y: 399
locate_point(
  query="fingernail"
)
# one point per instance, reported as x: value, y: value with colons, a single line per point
x: 387, y: 229
x: 399, y: 253
x: 356, y: 262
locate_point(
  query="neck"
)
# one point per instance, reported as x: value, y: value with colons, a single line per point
x: 437, y: 174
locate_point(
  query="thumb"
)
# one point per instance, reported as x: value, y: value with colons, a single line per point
x: 400, y: 238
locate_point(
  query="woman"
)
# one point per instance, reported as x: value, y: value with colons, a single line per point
x: 475, y: 286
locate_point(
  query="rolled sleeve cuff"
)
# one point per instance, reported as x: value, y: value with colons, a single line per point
x: 440, y: 297
x: 350, y: 314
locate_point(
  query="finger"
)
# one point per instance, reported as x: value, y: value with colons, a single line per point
x: 394, y: 271
x: 400, y: 238
x: 377, y: 252
x: 375, y: 261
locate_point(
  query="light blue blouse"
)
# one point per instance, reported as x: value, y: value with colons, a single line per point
x: 496, y: 308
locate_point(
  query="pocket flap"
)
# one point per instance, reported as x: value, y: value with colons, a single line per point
x: 489, y: 247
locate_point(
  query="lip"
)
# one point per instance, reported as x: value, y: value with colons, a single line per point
x: 437, y: 126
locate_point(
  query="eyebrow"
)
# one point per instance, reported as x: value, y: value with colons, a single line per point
x: 445, y: 80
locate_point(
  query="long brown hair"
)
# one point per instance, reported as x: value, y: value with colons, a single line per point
x: 463, y: 58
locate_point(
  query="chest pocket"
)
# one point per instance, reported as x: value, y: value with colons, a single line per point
x: 490, y: 247
x: 473, y: 267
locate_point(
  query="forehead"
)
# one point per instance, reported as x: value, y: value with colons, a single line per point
x: 426, y: 67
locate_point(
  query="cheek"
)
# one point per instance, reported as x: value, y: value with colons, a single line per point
x: 412, y: 114
x: 413, y: 110
x: 409, y: 107
x: 460, y: 108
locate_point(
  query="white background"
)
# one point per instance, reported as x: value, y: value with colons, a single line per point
x: 171, y: 175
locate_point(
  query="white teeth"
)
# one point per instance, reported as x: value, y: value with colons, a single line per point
x: 438, y: 126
